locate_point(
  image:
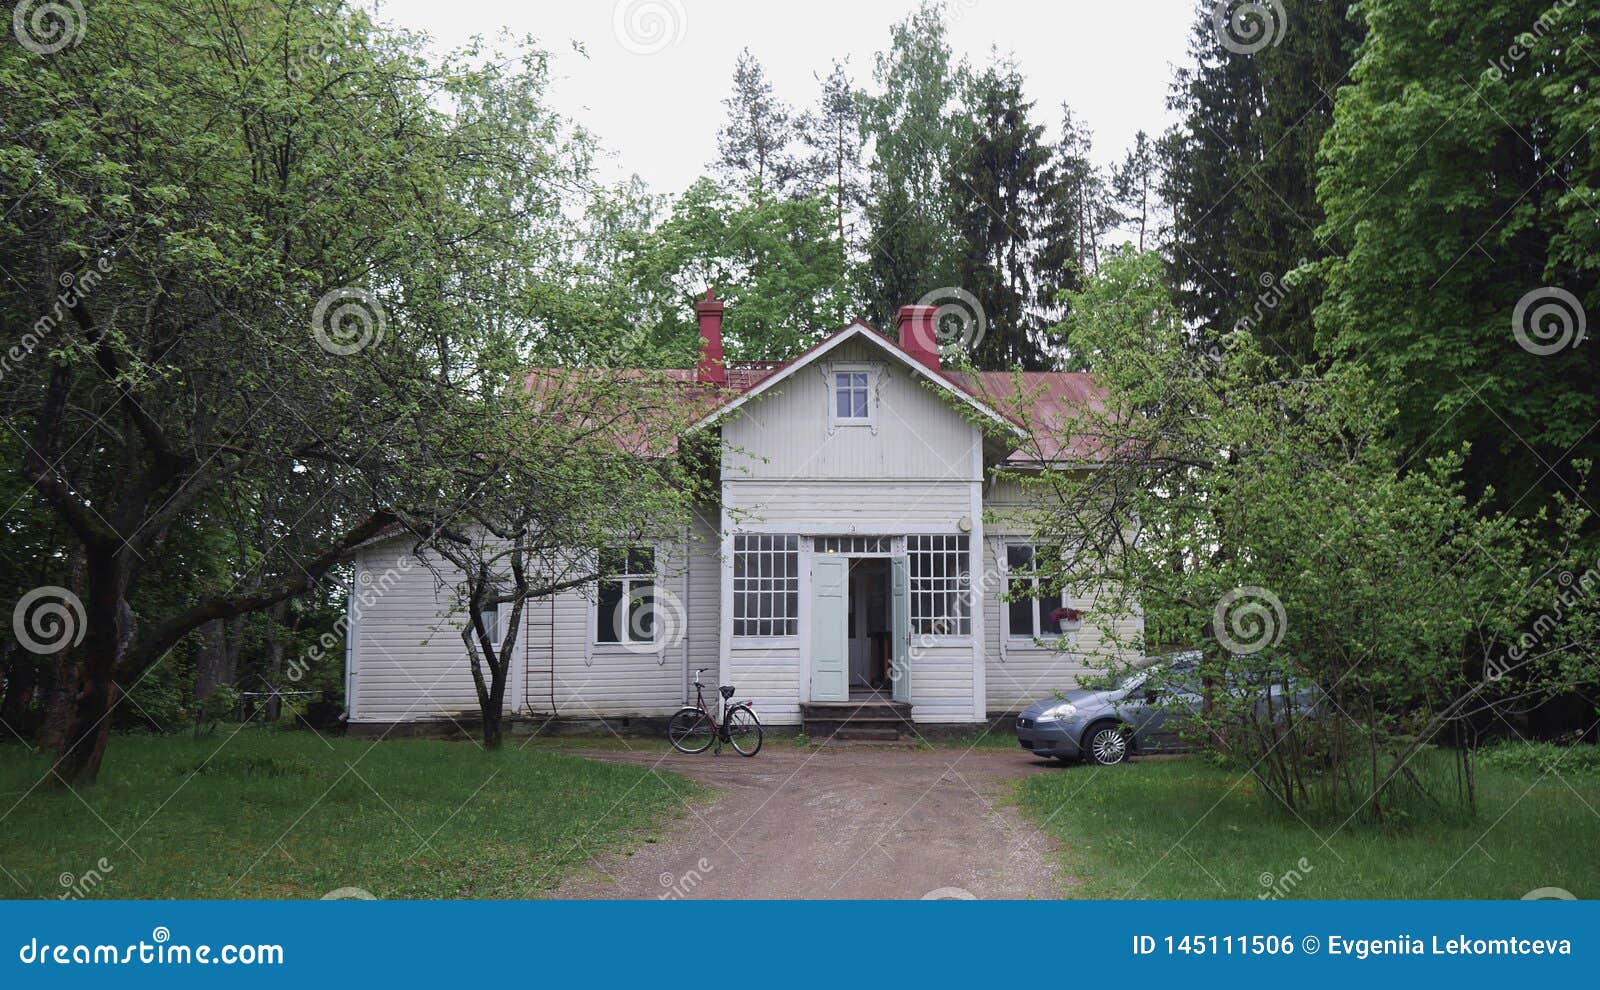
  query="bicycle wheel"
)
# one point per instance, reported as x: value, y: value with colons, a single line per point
x: 744, y: 731
x: 689, y: 730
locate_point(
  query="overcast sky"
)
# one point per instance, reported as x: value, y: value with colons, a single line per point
x: 656, y: 71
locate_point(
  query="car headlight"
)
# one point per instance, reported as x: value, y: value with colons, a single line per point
x: 1056, y: 713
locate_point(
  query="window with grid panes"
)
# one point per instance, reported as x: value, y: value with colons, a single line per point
x: 766, y: 585
x: 941, y: 585
x: 1031, y: 609
x: 851, y: 395
x: 854, y: 544
x: 625, y: 605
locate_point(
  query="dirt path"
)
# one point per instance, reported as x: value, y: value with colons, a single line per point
x: 875, y: 822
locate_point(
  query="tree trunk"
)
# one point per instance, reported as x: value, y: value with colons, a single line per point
x: 492, y: 737
x: 86, y: 721
x: 211, y: 660
x: 275, y: 659
x: 58, y: 702
x: 21, y: 673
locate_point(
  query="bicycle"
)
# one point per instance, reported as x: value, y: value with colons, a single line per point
x: 693, y: 728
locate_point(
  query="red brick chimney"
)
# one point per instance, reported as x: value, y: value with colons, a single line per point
x: 712, y: 369
x: 918, y: 333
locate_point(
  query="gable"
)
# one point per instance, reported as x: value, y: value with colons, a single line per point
x: 789, y: 429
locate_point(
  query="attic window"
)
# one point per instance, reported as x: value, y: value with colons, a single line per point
x: 850, y: 398
x: 850, y: 395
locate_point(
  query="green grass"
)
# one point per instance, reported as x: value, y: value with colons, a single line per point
x: 1181, y: 829
x: 270, y: 813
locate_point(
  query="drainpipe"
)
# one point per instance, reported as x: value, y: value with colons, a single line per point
x: 553, y: 655
x: 688, y: 561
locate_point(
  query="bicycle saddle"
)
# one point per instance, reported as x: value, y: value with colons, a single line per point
x: 727, y: 690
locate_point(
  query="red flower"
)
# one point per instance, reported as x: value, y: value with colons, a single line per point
x: 1065, y: 615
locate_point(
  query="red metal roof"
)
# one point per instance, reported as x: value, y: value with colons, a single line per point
x: 1041, y: 403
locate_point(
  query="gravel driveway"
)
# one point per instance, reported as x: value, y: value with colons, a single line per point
x: 838, y: 822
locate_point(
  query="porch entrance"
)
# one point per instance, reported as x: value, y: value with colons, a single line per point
x: 870, y: 628
x: 859, y: 624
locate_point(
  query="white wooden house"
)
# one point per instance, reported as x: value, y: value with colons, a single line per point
x: 860, y: 548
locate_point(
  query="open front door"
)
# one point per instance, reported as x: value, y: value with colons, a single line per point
x: 830, y: 629
x: 900, y: 639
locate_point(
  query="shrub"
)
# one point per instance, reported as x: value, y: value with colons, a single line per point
x: 1539, y: 758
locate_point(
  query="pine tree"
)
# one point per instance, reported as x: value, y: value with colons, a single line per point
x: 1135, y: 190
x: 754, y: 144
x: 1241, y: 174
x: 832, y: 133
x: 915, y: 130
x: 997, y: 181
x: 1072, y: 219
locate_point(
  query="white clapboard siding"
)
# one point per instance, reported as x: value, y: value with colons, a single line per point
x: 409, y: 661
x: 1018, y: 672
x: 786, y: 471
x: 784, y: 433
x: 876, y: 507
x: 704, y: 606
x: 941, y: 682
x: 571, y: 676
x: 770, y: 677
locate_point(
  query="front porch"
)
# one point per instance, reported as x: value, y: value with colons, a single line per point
x: 869, y: 715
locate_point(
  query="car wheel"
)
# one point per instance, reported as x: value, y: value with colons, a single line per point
x: 1106, y: 743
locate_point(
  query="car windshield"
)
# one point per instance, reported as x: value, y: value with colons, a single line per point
x: 1132, y: 680
x: 1176, y: 671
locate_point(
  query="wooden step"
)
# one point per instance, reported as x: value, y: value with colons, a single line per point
x: 856, y: 709
x: 866, y: 735
x: 878, y: 721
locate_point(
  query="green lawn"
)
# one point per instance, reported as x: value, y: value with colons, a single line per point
x: 269, y: 813
x: 1181, y: 829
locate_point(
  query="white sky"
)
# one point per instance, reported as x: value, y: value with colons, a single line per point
x: 655, y: 101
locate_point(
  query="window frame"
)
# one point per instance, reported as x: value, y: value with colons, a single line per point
x: 831, y: 372
x: 630, y: 581
x: 1037, y: 637
x: 939, y: 587
x: 785, y: 586
x: 498, y: 629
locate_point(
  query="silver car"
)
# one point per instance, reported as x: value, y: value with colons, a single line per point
x: 1144, y: 712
